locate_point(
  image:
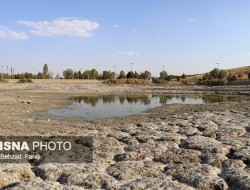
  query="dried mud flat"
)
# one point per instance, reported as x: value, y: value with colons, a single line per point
x: 173, y: 147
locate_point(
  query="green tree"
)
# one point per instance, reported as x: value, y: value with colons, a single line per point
x: 76, y: 75
x: 183, y: 76
x: 122, y: 75
x: 214, y: 74
x: 27, y: 75
x: 45, y: 70
x: 108, y: 75
x: 206, y: 76
x: 136, y: 75
x: 130, y: 75
x: 40, y: 75
x: 145, y: 75
x: 148, y: 74
x: 68, y: 74
x: 18, y: 76
x: 164, y: 75
x: 94, y: 74
x: 90, y: 74
x: 80, y: 75
x: 86, y: 74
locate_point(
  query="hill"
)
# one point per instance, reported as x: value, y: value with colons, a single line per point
x: 236, y: 71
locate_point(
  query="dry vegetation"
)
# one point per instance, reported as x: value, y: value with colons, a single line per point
x: 191, y: 80
x: 3, y: 81
x: 128, y: 81
x: 243, y: 71
x: 237, y: 71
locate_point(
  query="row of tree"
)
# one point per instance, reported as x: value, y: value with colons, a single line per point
x: 88, y: 74
x: 41, y: 75
x: 26, y: 75
x: 93, y: 74
x: 105, y: 75
x: 222, y: 74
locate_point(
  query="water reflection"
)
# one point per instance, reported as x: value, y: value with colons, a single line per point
x: 122, y: 99
x: 146, y: 99
x: 93, y: 100
x: 86, y: 99
x: 164, y: 99
x: 219, y: 99
x: 96, y: 107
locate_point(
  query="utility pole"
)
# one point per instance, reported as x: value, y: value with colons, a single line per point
x: 2, y: 72
x: 114, y: 71
x: 217, y: 65
x: 7, y: 71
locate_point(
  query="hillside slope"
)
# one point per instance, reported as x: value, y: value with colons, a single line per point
x: 236, y: 71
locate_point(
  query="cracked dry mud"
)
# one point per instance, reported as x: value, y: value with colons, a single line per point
x: 173, y: 147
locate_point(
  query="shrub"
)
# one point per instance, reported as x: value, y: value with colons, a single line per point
x: 159, y: 81
x: 190, y: 80
x: 232, y: 78
x: 25, y: 80
x: 214, y: 82
x: 222, y: 74
x: 117, y: 81
x: 137, y: 81
x: 240, y: 76
x: 128, y: 81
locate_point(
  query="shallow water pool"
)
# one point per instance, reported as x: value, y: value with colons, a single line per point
x: 98, y: 107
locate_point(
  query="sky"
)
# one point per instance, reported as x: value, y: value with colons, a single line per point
x: 179, y: 36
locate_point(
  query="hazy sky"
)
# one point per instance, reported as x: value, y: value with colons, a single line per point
x: 182, y: 35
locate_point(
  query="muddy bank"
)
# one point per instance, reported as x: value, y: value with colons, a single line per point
x: 95, y: 87
x: 174, y: 147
